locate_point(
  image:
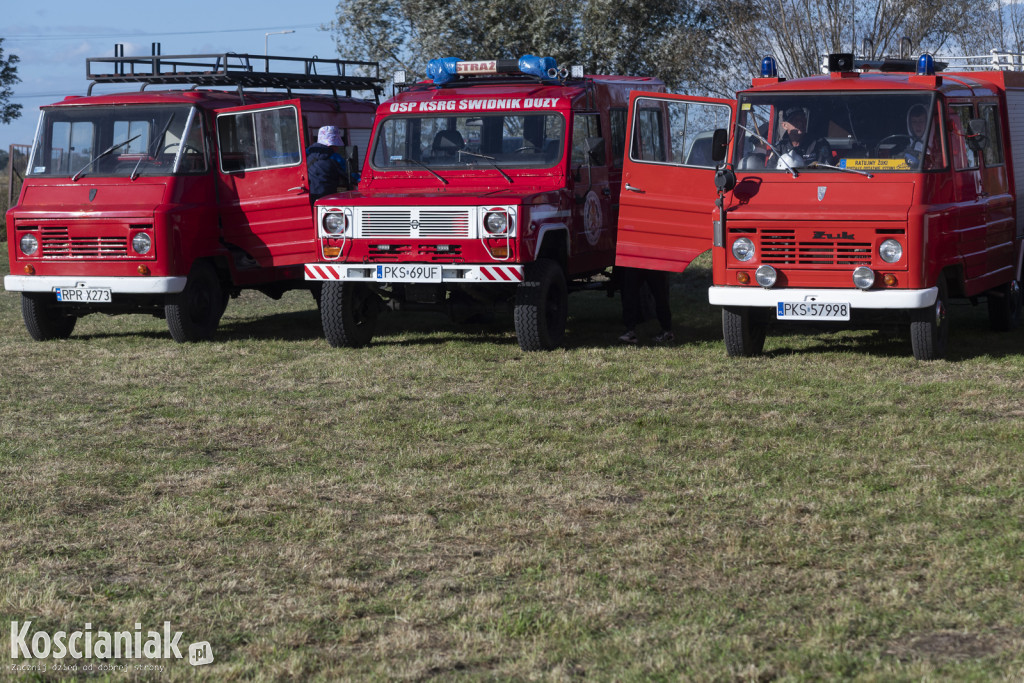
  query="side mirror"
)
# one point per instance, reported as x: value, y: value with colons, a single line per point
x: 719, y: 144
x: 595, y: 150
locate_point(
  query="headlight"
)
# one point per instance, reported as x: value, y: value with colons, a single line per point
x: 765, y: 276
x: 141, y: 243
x: 863, y: 277
x: 496, y: 222
x: 891, y: 251
x: 743, y: 249
x: 334, y: 223
x: 29, y: 244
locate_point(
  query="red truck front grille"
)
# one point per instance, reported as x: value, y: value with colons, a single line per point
x: 57, y: 243
x: 781, y: 247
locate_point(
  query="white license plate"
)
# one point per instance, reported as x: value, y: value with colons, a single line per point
x: 83, y: 295
x: 419, y: 272
x: 812, y: 310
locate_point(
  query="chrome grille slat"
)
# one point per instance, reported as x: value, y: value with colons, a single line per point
x: 440, y: 223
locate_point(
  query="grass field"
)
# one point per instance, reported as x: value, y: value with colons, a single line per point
x: 442, y: 505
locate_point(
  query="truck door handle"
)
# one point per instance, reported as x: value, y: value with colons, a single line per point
x: 633, y: 189
x: 300, y: 188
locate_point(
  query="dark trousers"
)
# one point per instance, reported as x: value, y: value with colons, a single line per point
x: 634, y: 292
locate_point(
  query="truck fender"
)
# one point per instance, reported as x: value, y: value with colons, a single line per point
x: 553, y: 232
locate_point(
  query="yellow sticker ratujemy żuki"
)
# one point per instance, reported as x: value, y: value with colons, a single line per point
x: 875, y: 164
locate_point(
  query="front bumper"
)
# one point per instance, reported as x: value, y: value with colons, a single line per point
x: 449, y: 273
x: 892, y: 299
x: 117, y: 285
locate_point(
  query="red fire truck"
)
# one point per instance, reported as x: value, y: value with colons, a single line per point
x: 168, y: 202
x: 493, y: 182
x: 869, y: 196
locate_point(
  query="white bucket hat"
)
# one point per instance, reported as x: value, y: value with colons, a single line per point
x: 330, y: 136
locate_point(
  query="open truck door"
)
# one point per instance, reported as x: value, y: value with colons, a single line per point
x: 668, y: 189
x: 262, y: 184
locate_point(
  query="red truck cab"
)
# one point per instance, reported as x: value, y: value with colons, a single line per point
x: 491, y: 183
x: 168, y: 202
x: 867, y: 196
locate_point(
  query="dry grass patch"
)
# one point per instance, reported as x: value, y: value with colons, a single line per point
x: 443, y: 506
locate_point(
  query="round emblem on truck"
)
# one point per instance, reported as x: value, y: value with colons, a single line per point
x: 593, y: 220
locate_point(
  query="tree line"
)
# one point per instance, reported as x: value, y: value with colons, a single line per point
x: 703, y: 47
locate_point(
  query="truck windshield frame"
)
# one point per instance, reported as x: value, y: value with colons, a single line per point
x: 149, y: 140
x: 509, y: 139
x: 874, y: 131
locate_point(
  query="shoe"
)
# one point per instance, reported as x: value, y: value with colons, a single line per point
x: 665, y: 336
x: 629, y: 338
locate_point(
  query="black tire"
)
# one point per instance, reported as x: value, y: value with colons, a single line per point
x: 194, y: 313
x: 542, y: 306
x: 1004, y: 307
x: 43, y: 319
x: 743, y: 336
x: 348, y: 312
x: 929, y: 328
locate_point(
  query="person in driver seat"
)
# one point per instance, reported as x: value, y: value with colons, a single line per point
x: 447, y: 143
x: 796, y: 145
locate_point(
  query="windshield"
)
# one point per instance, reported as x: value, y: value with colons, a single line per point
x: 128, y: 141
x: 508, y: 140
x: 888, y: 131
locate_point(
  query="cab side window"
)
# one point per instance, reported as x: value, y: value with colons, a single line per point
x: 676, y: 132
x: 964, y: 158
x: 617, y: 119
x: 259, y: 139
x: 586, y: 134
x: 993, y: 150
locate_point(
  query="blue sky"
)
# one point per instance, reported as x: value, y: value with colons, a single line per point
x: 54, y: 38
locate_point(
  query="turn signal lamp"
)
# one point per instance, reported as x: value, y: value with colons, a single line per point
x: 30, y: 270
x: 332, y: 252
x: 144, y: 270
x: 499, y: 252
x: 743, y: 277
x: 889, y: 279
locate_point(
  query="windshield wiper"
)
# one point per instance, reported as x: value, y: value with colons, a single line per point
x: 435, y: 173
x: 108, y: 150
x: 780, y: 156
x: 490, y: 159
x: 815, y: 164
x: 151, y: 150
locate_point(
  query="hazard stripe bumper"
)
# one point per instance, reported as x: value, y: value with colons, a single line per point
x: 453, y: 273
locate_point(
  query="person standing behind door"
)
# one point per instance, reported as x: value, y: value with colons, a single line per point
x: 327, y: 170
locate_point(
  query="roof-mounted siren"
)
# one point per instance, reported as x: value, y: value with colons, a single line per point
x: 925, y: 65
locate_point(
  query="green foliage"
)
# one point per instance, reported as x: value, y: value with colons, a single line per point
x: 709, y: 46
x: 8, y: 77
x: 667, y: 38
